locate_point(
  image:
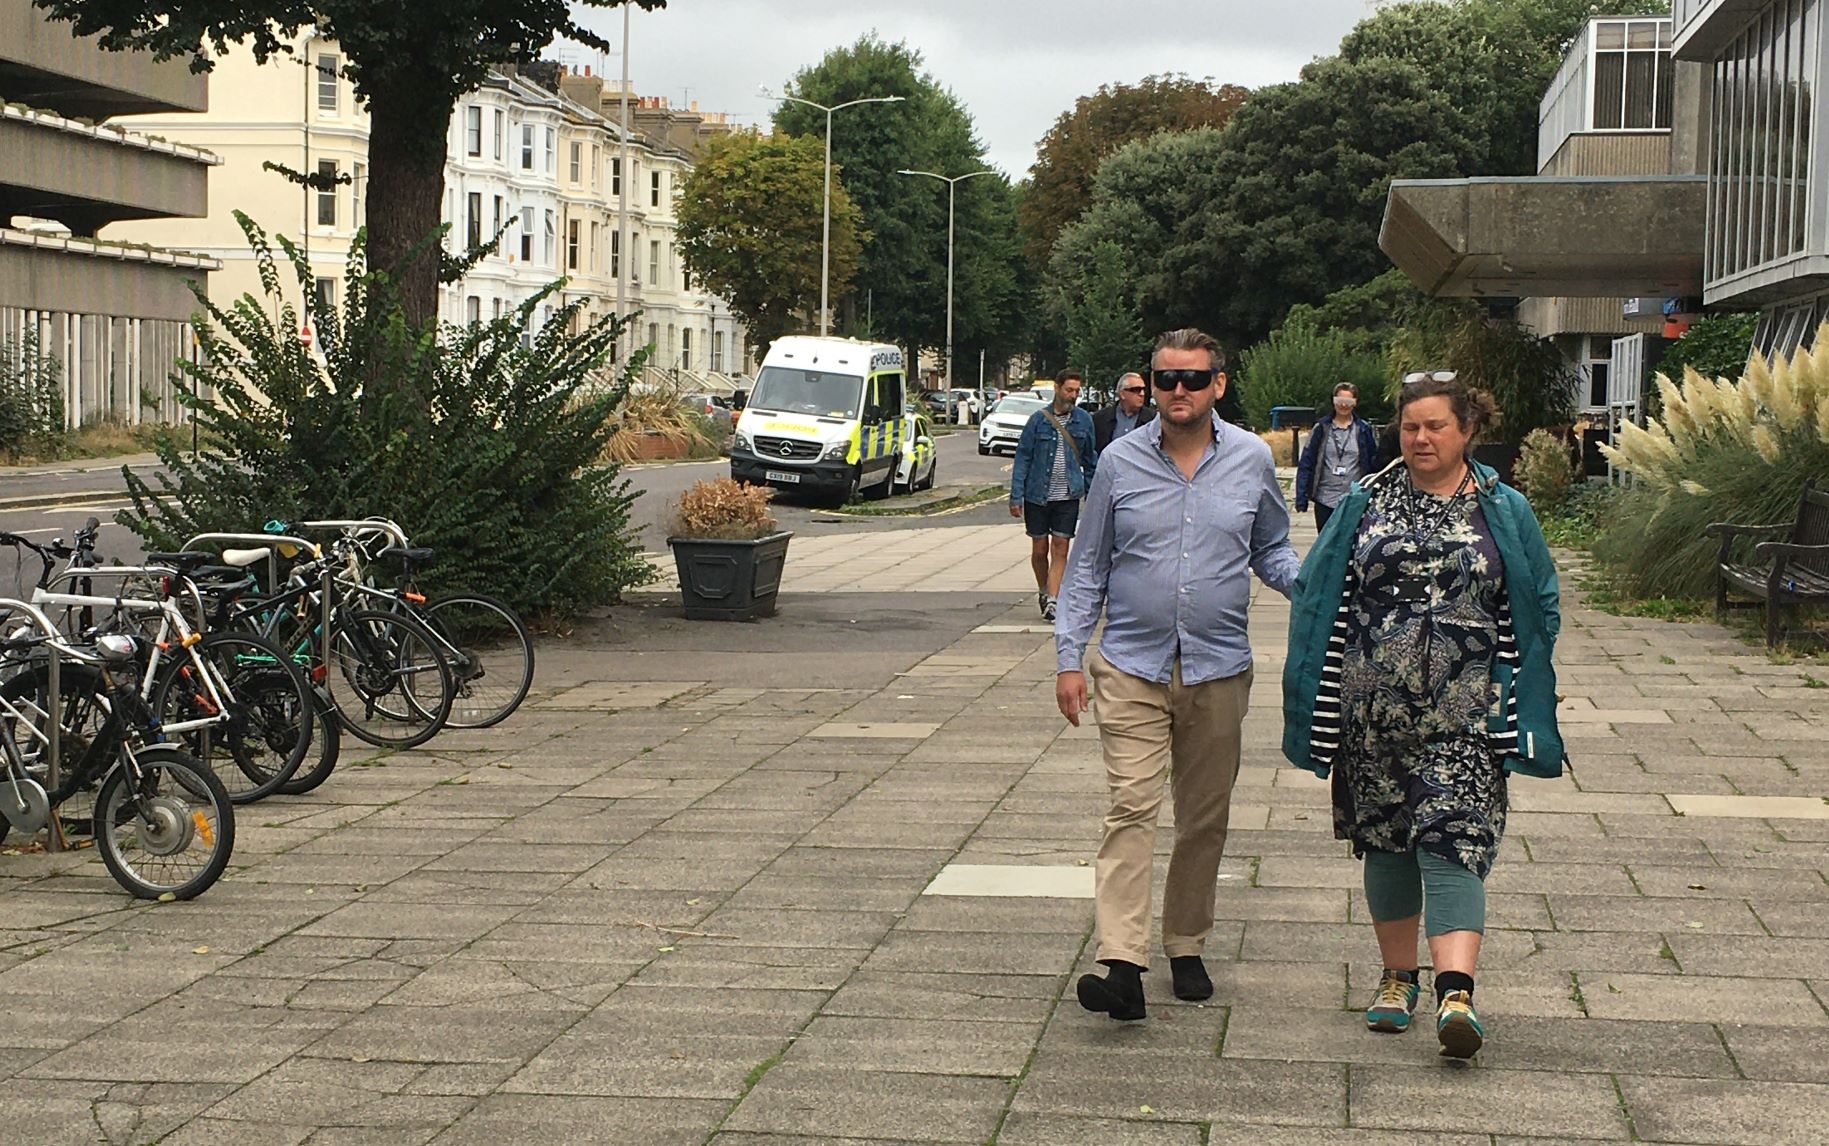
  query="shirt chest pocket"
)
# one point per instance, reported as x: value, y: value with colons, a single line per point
x: 1224, y: 510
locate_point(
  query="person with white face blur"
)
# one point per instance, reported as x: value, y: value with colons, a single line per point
x: 1340, y: 451
x: 1183, y: 510
x: 1419, y: 677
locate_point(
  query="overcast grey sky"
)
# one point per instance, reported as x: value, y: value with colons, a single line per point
x: 1016, y: 64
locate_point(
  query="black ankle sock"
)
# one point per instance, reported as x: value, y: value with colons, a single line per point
x: 1446, y: 981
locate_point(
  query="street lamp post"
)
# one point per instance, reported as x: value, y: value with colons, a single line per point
x: 952, y: 185
x: 825, y: 242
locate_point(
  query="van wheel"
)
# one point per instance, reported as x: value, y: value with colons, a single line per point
x: 884, y: 488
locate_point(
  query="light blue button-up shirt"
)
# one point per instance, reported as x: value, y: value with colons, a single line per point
x: 1168, y: 561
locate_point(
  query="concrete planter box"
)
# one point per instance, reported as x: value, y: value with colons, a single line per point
x: 729, y: 580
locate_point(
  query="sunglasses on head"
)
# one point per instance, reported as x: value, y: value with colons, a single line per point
x: 1430, y: 376
x: 1189, y: 380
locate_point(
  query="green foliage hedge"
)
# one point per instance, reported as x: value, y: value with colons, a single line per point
x: 31, y: 397
x: 1300, y: 365
x: 481, y: 445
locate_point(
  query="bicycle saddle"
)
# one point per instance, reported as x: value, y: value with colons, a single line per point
x: 242, y: 558
x: 414, y: 556
x: 186, y: 562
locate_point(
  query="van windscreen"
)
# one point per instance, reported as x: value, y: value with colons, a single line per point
x: 790, y: 390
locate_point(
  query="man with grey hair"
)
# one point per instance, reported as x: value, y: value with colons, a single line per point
x: 1181, y: 512
x: 1132, y: 409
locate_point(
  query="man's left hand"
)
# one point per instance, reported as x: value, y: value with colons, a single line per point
x: 1070, y: 695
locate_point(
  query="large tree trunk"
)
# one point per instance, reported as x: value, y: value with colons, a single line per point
x: 406, y: 187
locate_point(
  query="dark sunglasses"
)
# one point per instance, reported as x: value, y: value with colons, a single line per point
x: 1189, y: 380
x: 1133, y: 389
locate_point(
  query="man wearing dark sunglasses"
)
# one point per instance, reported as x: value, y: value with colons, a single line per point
x: 1131, y: 410
x: 1181, y: 512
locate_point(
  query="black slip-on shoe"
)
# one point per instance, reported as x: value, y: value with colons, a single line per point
x: 1192, y: 983
x: 1117, y: 994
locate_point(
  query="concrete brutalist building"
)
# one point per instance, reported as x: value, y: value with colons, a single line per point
x: 1680, y: 159
x: 113, y: 315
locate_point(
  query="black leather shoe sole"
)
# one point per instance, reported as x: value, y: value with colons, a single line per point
x: 1096, y: 994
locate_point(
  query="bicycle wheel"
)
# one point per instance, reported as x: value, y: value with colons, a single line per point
x: 391, y: 684
x: 270, y: 712
x: 170, y: 831
x: 326, y: 742
x: 491, y: 655
x: 89, y: 739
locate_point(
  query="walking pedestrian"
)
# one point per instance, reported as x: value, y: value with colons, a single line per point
x: 1340, y: 451
x: 1132, y: 409
x: 1182, y: 511
x: 1054, y: 463
x: 1419, y: 674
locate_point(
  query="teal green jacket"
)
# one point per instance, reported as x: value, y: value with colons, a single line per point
x: 1530, y: 575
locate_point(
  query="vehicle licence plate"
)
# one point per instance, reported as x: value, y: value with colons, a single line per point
x: 777, y: 475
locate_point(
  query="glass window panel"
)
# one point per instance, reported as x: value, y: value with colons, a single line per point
x: 1642, y: 34
x: 1641, y: 88
x: 1664, y: 96
x: 1610, y: 34
x: 1809, y: 61
x: 1609, y: 89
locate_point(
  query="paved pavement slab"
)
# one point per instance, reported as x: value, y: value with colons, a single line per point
x: 823, y: 879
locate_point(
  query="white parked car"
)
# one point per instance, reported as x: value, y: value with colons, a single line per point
x: 1003, y: 426
x: 920, y: 463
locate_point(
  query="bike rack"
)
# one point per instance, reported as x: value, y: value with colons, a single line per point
x: 54, y: 747
x: 381, y: 525
x: 125, y: 572
x: 270, y: 542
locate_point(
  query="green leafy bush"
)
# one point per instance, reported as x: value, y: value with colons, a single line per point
x: 1300, y: 365
x: 1737, y: 452
x: 31, y: 399
x: 1526, y: 375
x: 1715, y: 347
x: 480, y: 445
x: 1546, y: 471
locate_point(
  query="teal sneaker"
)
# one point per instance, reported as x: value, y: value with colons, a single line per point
x: 1457, y: 1024
x: 1390, y: 1012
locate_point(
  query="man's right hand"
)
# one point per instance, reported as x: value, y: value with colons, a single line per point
x: 1070, y: 695
x: 1016, y: 509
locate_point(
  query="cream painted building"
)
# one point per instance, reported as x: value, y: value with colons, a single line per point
x: 534, y: 154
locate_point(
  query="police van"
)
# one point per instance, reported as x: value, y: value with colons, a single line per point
x: 828, y: 416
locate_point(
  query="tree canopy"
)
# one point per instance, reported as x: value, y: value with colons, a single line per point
x: 409, y: 66
x: 900, y: 293
x: 748, y: 214
x: 1068, y: 157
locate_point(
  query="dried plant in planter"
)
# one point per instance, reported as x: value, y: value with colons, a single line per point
x: 724, y: 510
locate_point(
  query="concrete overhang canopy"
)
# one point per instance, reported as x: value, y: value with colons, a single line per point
x: 1535, y: 237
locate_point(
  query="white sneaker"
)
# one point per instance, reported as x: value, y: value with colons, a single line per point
x: 1048, y: 610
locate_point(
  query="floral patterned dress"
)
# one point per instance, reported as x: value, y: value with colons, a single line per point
x: 1417, y: 767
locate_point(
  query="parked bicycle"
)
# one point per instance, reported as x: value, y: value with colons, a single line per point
x: 162, y: 822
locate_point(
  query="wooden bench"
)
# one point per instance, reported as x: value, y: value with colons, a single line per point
x: 1790, y: 563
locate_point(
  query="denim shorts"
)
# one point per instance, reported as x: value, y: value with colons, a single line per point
x: 1055, y: 519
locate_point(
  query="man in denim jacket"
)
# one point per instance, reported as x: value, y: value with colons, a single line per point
x: 1049, y: 476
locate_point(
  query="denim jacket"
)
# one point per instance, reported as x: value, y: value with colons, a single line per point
x: 1034, y: 462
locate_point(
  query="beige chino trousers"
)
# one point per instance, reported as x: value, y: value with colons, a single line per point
x: 1191, y: 734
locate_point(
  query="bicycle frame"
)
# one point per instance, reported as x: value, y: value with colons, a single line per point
x: 171, y: 620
